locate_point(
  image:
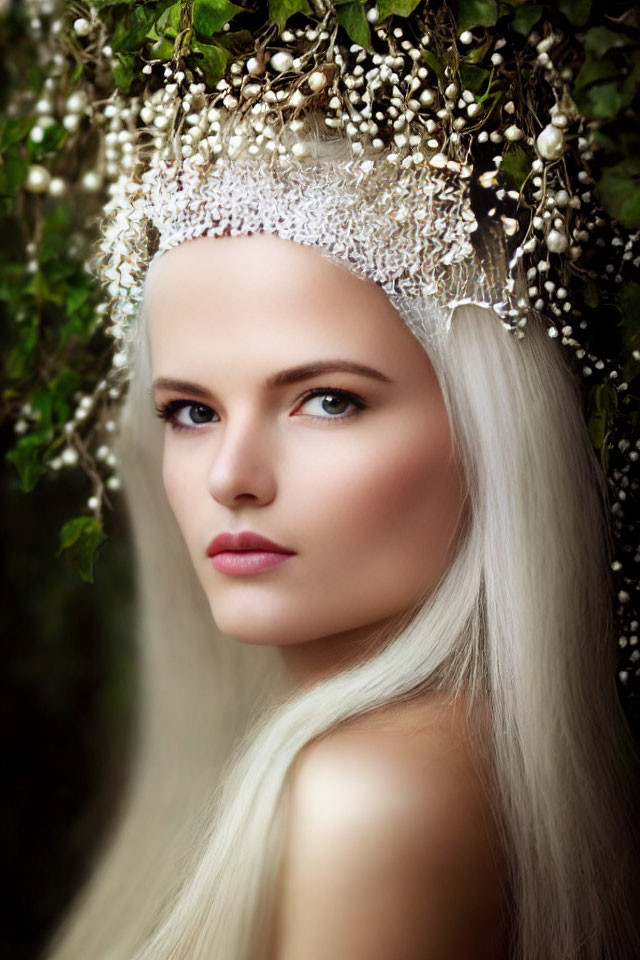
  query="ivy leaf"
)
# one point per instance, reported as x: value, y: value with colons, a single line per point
x: 599, y: 40
x: 474, y: 78
x: 432, y: 61
x: 209, y: 16
x: 604, y: 101
x: 124, y: 69
x: 593, y: 70
x: 13, y: 172
x: 162, y: 49
x: 398, y: 8
x: 281, y: 10
x: 14, y: 130
x: 601, y: 405
x: 79, y: 542
x: 214, y: 60
x: 54, y: 138
x: 27, y: 458
x: 352, y: 17
x: 577, y: 12
x: 476, y: 13
x: 619, y: 192
x: 526, y: 17
x: 515, y: 167
x: 168, y: 23
x: 236, y: 42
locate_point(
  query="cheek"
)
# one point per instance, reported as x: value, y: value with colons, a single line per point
x: 392, y: 512
x: 177, y: 481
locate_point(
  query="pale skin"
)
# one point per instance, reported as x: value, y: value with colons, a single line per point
x: 361, y: 482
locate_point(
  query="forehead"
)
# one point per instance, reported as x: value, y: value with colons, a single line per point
x: 263, y: 296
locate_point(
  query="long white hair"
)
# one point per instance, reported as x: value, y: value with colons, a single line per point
x: 521, y: 620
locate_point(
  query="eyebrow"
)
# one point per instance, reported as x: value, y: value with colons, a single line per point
x: 284, y: 377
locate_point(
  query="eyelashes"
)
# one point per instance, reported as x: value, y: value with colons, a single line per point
x: 200, y: 414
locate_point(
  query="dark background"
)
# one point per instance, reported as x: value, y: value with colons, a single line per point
x: 65, y: 702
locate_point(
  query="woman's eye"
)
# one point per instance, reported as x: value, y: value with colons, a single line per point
x: 186, y: 414
x: 331, y: 404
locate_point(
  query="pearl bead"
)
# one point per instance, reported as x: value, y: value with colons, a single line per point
x: 281, y: 61
x: 513, y: 133
x: 69, y: 457
x: 556, y: 241
x: 91, y: 182
x: 82, y: 27
x: 318, y: 81
x: 57, y: 187
x: 38, y: 179
x: 550, y: 142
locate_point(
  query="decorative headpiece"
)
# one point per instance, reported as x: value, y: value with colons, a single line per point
x: 479, y: 164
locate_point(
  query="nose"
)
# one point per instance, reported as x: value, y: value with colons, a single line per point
x: 242, y: 466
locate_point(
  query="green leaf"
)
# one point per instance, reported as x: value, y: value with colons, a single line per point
x: 79, y: 541
x: 281, y: 10
x: 599, y: 40
x: 236, y: 42
x: 124, y: 68
x: 515, y: 167
x: 62, y: 387
x: 398, y: 8
x: 214, y: 60
x: 476, y: 13
x: 526, y: 17
x: 168, y: 23
x: 162, y: 49
x: 432, y: 61
x: 13, y: 173
x: 604, y: 101
x: 620, y: 195
x: 27, y: 458
x: 209, y: 16
x: 593, y: 70
x: 601, y: 405
x: 474, y: 78
x: 14, y: 130
x: 353, y: 18
x: 54, y: 138
x: 577, y: 12
x: 133, y: 26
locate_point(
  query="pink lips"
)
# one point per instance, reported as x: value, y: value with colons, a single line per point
x: 245, y: 553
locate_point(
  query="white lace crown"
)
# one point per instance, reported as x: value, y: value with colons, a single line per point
x: 409, y: 230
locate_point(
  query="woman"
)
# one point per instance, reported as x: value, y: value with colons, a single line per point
x: 405, y: 710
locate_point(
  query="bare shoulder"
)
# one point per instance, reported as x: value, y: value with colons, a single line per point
x: 391, y: 847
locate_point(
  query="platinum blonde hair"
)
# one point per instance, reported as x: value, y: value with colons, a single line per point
x: 521, y: 620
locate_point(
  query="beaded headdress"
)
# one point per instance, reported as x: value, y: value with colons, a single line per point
x: 447, y: 155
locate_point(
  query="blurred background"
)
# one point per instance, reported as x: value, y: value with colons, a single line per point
x: 66, y: 702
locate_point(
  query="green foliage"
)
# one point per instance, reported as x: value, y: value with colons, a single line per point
x: 515, y: 167
x: 212, y: 60
x: 475, y: 78
x: 398, y: 8
x: 619, y: 192
x: 352, y: 17
x: 209, y: 16
x: 602, y: 402
x: 577, y: 12
x: 526, y: 17
x: 476, y: 13
x: 80, y: 539
x: 281, y: 10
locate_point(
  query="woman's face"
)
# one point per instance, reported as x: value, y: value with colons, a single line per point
x: 350, y: 470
